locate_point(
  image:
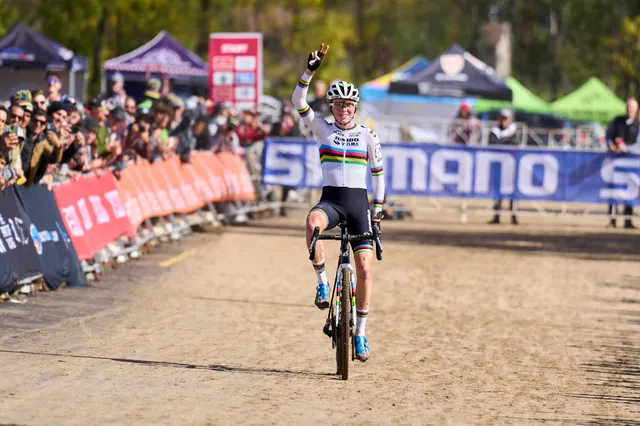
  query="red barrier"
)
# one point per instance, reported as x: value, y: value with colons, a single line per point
x: 144, y: 191
x: 93, y: 212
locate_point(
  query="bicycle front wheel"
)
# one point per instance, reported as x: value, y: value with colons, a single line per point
x: 344, y: 334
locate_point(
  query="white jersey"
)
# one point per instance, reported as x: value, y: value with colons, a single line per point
x: 344, y: 154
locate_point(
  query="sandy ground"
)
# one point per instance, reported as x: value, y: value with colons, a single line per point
x: 470, y: 324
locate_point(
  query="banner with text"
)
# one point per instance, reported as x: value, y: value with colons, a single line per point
x: 470, y: 172
x: 50, y: 238
x: 235, y: 69
x: 93, y: 212
x: 19, y: 259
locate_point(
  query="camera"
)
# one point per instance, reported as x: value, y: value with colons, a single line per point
x: 51, y: 127
x: 19, y: 131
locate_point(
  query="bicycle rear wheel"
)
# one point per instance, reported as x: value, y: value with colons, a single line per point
x: 343, y: 332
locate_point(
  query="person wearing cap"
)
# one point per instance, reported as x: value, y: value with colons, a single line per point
x: 503, y: 133
x: 466, y: 127
x: 22, y: 98
x: 74, y: 115
x: 153, y: 89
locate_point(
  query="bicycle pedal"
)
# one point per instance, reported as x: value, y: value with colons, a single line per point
x: 327, y: 329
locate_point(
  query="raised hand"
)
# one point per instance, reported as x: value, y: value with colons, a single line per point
x: 315, y: 58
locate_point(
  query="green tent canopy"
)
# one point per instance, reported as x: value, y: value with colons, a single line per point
x: 523, y: 99
x: 593, y: 101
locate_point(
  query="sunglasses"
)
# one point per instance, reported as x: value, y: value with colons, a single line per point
x: 16, y: 116
x: 343, y: 104
x: 41, y: 122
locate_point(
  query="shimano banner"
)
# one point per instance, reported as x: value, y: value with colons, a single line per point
x: 470, y: 172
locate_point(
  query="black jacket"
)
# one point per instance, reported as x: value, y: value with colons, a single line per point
x: 618, y: 128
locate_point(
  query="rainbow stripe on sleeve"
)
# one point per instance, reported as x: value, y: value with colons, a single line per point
x: 376, y: 171
x: 304, y: 111
x: 377, y: 203
x: 303, y: 84
x: 351, y: 156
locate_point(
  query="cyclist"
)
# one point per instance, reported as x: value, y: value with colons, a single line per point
x: 345, y: 150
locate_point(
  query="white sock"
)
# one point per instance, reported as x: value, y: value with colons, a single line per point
x: 320, y: 272
x: 361, y: 321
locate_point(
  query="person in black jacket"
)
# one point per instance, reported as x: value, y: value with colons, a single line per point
x: 622, y: 132
x: 503, y: 133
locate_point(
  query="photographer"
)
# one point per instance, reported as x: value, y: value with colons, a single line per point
x: 48, y: 150
x: 227, y: 139
x: 189, y: 138
x: 138, y: 144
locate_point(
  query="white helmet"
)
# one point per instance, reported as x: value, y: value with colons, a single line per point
x: 343, y: 90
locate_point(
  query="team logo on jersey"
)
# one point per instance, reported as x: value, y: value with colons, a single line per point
x: 378, y: 153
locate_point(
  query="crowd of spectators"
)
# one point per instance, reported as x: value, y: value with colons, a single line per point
x: 50, y: 137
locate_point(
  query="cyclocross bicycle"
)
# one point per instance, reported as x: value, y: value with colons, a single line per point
x: 341, y: 320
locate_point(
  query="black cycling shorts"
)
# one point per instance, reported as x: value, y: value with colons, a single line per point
x: 352, y: 205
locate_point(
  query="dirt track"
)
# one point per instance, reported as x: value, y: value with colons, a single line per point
x: 469, y: 325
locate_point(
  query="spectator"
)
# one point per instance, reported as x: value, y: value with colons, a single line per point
x: 139, y: 137
x: 73, y: 112
x: 503, y: 133
x: 35, y: 134
x: 98, y: 121
x: 54, y: 86
x: 48, y: 149
x: 250, y: 129
x: 10, y: 147
x: 118, y: 96
x: 39, y: 99
x: 227, y: 139
x: 466, y: 127
x: 319, y: 104
x: 22, y: 98
x: 131, y: 109
x: 192, y: 137
x: 178, y: 110
x: 286, y: 127
x: 16, y: 115
x: 623, y: 131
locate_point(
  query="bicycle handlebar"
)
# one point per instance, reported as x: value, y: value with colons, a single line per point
x: 348, y: 237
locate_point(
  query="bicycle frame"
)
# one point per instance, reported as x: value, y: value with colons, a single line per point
x: 345, y: 265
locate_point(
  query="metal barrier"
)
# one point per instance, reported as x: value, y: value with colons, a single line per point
x: 392, y: 129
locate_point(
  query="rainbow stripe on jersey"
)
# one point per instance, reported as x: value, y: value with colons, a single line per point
x: 351, y: 156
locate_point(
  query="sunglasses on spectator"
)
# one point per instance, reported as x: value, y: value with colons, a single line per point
x: 41, y: 122
x: 343, y: 104
x: 50, y: 80
x: 14, y: 115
